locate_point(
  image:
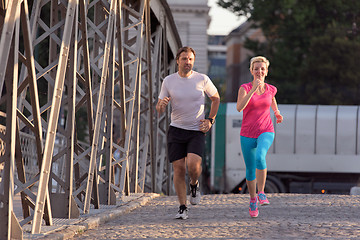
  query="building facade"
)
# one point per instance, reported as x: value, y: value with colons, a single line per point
x: 237, y: 59
x: 192, y: 20
x: 217, y: 62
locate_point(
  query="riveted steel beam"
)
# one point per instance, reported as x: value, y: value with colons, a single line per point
x: 98, y: 61
x: 54, y: 114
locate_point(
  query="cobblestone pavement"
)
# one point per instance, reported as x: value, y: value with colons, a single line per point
x: 289, y: 216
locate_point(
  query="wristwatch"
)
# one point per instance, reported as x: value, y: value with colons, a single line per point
x: 211, y: 120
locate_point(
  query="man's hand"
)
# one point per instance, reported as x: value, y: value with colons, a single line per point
x: 162, y: 103
x: 205, y: 125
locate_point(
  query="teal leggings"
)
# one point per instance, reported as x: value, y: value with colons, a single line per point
x: 254, y: 151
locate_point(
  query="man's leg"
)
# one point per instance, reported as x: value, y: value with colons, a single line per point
x: 193, y: 162
x: 179, y: 180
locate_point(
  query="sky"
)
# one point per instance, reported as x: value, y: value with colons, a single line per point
x: 222, y: 20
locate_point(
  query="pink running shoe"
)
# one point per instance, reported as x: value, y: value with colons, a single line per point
x: 263, y: 199
x: 253, y: 209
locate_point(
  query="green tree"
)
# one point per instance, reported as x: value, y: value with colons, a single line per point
x: 312, y: 45
x: 331, y: 75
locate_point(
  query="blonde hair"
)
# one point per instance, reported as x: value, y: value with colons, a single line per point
x: 259, y: 59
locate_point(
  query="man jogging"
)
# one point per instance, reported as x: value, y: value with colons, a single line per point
x: 186, y: 90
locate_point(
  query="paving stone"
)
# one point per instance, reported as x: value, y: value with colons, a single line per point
x: 289, y: 216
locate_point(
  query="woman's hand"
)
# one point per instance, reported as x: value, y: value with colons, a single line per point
x: 279, y: 118
x: 256, y: 84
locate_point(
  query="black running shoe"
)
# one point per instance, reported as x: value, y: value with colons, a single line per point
x: 182, y: 213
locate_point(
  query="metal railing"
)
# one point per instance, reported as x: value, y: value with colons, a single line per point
x: 101, y: 61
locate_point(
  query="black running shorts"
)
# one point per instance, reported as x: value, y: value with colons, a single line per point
x: 181, y: 142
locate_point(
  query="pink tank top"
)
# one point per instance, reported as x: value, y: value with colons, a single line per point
x: 256, y: 115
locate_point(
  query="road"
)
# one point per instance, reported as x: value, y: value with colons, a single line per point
x: 289, y: 216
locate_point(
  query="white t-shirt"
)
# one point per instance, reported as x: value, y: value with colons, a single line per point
x: 187, y: 98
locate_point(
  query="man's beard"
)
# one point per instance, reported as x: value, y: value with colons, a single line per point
x: 187, y: 69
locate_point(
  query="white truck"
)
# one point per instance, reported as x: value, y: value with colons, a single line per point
x: 316, y: 150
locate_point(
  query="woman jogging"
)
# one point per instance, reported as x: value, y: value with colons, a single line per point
x: 257, y: 131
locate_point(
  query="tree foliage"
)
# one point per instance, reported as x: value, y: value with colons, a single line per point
x: 313, y: 47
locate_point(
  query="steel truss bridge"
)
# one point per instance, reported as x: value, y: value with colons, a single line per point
x: 74, y: 66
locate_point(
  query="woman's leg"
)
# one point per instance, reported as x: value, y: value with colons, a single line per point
x: 264, y: 142
x: 248, y: 147
x: 252, y: 188
x: 261, y: 179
